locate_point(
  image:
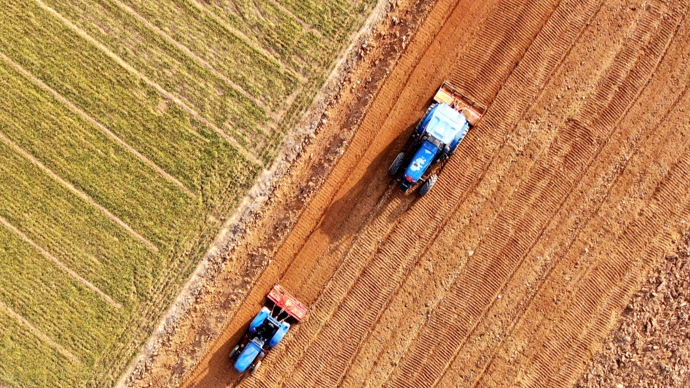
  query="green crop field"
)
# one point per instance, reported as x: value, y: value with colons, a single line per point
x: 129, y: 131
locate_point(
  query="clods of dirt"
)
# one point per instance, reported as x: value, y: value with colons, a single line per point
x: 651, y: 348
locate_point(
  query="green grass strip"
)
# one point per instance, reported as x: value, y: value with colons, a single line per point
x: 81, y: 154
x: 28, y: 362
x: 303, y: 49
x: 119, y: 100
x: 227, y: 53
x: 59, y: 306
x: 74, y: 231
x: 174, y: 70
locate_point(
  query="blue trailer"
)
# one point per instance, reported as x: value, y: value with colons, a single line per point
x: 435, y: 138
x: 267, y: 329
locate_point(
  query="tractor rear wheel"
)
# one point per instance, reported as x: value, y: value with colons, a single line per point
x: 397, y: 163
x: 427, y: 185
x: 235, y: 351
x: 419, y: 124
x: 255, y: 367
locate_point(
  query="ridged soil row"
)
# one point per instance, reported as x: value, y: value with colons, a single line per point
x: 630, y: 197
x: 536, y: 201
x: 389, y: 117
x: 341, y: 337
x: 338, y: 340
x: 384, y: 346
x: 509, y: 31
x: 609, y: 283
x: 566, y: 232
x: 307, y: 258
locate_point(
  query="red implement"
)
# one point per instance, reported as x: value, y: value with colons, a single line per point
x: 446, y: 94
x: 287, y: 302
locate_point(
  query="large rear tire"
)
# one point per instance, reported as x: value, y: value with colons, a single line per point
x: 419, y: 124
x: 235, y: 351
x: 254, y: 367
x: 427, y: 185
x: 397, y: 163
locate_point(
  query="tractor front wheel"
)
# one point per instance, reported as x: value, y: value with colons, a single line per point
x: 427, y: 185
x: 255, y: 367
x: 397, y: 163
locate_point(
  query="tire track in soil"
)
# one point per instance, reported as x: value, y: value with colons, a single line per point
x: 382, y: 267
x: 371, y: 141
x: 541, y: 60
x: 577, y: 225
x: 5, y: 223
x: 169, y: 96
x: 546, y: 187
x: 36, y: 81
x: 38, y: 333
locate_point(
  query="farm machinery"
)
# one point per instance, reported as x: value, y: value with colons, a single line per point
x: 267, y: 329
x: 436, y: 137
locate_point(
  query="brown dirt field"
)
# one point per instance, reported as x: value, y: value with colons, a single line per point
x: 514, y: 269
x: 651, y: 346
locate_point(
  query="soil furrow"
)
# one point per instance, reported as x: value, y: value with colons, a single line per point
x: 502, y: 254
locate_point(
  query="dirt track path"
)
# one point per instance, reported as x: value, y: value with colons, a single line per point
x: 515, y: 266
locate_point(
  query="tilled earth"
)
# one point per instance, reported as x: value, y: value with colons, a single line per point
x: 516, y: 266
x: 651, y: 348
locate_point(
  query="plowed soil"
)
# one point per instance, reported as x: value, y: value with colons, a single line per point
x: 515, y: 267
x: 651, y: 346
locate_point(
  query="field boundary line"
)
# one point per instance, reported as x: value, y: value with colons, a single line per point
x: 59, y: 263
x: 80, y: 193
x: 39, y: 334
x: 149, y: 82
x: 191, y: 54
x: 97, y: 124
x: 249, y: 41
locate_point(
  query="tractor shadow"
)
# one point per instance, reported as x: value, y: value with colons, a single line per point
x: 221, y: 372
x: 342, y: 220
x: 375, y: 190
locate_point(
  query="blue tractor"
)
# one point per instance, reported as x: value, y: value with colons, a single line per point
x: 267, y: 329
x: 436, y: 138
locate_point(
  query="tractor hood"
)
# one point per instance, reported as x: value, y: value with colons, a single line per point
x: 246, y: 358
x: 420, y: 162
